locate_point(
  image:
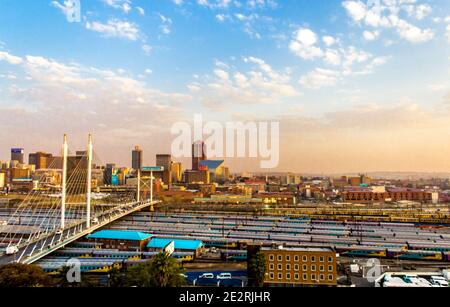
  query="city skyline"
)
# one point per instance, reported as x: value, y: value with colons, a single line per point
x: 354, y: 89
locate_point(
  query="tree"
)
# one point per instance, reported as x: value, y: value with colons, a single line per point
x: 115, y: 278
x: 21, y: 275
x: 257, y: 270
x: 161, y: 271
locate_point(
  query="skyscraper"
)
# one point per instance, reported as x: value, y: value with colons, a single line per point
x: 137, y: 158
x: 17, y: 154
x: 166, y: 162
x: 198, y: 154
x: 40, y: 159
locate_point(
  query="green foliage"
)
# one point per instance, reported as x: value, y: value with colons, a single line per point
x: 257, y: 270
x: 116, y: 278
x: 161, y: 271
x: 22, y: 275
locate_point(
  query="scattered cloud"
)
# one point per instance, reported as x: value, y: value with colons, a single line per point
x: 115, y: 28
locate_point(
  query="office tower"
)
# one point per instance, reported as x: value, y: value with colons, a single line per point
x: 164, y: 161
x: 198, y: 154
x: 110, y: 172
x: 137, y: 157
x: 17, y: 154
x: 40, y: 159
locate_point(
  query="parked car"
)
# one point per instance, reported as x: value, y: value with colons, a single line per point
x: 11, y: 250
x: 207, y: 276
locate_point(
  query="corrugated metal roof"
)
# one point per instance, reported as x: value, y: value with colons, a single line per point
x: 179, y: 244
x: 120, y: 235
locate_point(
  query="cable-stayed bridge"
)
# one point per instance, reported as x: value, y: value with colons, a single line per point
x: 49, y: 219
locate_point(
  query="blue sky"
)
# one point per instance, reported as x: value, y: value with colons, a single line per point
x: 326, y: 69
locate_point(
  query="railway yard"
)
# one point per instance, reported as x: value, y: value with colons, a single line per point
x: 226, y: 235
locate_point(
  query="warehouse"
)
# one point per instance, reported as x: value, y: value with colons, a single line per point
x: 195, y: 246
x: 121, y: 240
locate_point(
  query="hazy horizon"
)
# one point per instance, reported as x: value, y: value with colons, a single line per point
x: 355, y: 88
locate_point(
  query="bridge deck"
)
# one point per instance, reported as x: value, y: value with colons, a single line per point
x: 30, y: 252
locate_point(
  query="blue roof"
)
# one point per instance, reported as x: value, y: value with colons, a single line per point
x: 212, y: 164
x: 119, y: 235
x: 179, y: 244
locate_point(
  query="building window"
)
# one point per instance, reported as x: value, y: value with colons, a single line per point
x: 271, y: 276
x: 288, y: 258
x: 305, y: 268
x: 280, y: 267
x: 271, y: 257
x: 330, y: 268
x: 330, y: 259
x: 322, y: 277
x: 304, y: 258
x: 280, y: 258
x: 305, y: 276
x: 296, y: 258
x: 313, y: 277
x: 313, y: 267
x: 330, y: 277
x: 313, y: 258
x: 296, y: 276
x: 288, y: 276
x: 280, y: 276
x: 321, y: 268
x: 288, y: 267
x: 296, y: 267
x: 271, y: 267
x: 322, y: 259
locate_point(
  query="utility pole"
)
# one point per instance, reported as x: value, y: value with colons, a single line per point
x: 89, y: 182
x: 63, y: 186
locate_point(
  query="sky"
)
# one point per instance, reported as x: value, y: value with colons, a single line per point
x: 357, y: 86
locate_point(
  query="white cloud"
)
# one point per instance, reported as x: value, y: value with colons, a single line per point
x: 261, y: 84
x: 320, y: 78
x: 147, y: 49
x: 11, y: 59
x: 115, y: 28
x: 387, y: 15
x: 123, y: 5
x: 370, y: 36
x: 303, y: 44
x: 329, y: 40
x: 140, y: 10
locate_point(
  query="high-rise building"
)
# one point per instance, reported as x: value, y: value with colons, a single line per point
x: 110, y: 174
x: 198, y: 154
x: 17, y: 154
x: 40, y: 159
x: 137, y: 157
x: 176, y: 172
x: 164, y: 161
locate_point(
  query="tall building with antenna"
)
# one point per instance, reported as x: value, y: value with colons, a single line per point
x: 198, y: 154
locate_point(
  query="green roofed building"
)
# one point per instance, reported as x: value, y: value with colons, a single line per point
x: 121, y: 240
x: 157, y: 244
